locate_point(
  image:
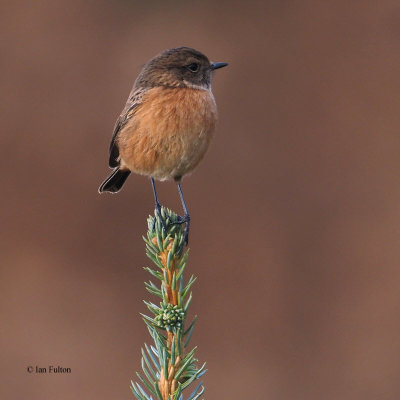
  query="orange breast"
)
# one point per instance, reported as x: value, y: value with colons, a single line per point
x: 169, y: 132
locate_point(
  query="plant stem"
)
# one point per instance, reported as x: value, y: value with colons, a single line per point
x: 171, y: 370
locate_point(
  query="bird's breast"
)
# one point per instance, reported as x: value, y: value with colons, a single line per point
x: 169, y: 132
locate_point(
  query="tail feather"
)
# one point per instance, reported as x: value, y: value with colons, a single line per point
x: 115, y: 181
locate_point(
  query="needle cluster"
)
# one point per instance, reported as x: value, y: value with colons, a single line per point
x: 168, y: 367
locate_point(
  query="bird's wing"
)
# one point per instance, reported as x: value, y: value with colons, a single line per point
x: 135, y: 98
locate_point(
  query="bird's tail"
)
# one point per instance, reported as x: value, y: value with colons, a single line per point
x: 115, y: 181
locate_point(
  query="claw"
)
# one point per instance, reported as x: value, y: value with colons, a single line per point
x: 184, y: 220
x: 158, y: 210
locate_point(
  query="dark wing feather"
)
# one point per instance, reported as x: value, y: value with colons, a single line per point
x: 114, y: 152
x: 135, y: 98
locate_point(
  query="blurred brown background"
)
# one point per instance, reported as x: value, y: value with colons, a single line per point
x: 295, y: 210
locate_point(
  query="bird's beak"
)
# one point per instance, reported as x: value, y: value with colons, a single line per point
x: 218, y: 65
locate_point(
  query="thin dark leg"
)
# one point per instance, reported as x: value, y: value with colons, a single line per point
x: 186, y: 217
x: 155, y: 194
x: 183, y: 202
x: 158, y: 206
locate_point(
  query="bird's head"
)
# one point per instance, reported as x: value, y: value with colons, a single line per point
x: 178, y: 67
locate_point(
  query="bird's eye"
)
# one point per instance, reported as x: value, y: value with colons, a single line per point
x: 194, y: 67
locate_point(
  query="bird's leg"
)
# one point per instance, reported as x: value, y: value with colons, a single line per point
x: 158, y: 207
x: 185, y: 218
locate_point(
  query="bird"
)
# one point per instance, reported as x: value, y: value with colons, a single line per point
x: 167, y: 123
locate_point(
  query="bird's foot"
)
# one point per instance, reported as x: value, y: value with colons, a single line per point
x: 158, y: 210
x: 181, y: 220
x: 184, y: 220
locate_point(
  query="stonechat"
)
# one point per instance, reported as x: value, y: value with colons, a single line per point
x: 167, y: 123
